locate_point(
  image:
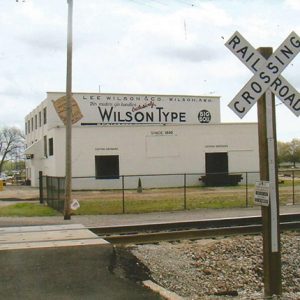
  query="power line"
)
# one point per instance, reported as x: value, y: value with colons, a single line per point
x: 188, y: 3
x: 166, y: 4
x: 142, y: 3
x: 159, y: 2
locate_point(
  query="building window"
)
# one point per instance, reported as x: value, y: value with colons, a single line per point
x: 32, y: 124
x: 45, y: 115
x: 40, y: 119
x: 51, y: 147
x: 28, y: 126
x: 35, y: 121
x: 107, y: 166
x: 45, y: 146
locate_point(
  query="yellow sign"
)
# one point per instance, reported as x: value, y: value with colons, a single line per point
x: 60, y: 107
x: 1, y: 185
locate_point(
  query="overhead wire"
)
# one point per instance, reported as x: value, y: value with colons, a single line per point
x: 165, y: 3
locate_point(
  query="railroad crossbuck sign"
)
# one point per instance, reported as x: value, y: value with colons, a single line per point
x: 266, y: 74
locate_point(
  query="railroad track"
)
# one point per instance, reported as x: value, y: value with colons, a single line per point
x: 192, y: 230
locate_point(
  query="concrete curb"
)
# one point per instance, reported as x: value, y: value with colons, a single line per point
x: 161, y: 291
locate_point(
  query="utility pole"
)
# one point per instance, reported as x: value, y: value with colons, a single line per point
x: 68, y: 185
x: 268, y: 172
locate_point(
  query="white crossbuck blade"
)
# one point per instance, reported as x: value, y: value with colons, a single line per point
x: 266, y: 73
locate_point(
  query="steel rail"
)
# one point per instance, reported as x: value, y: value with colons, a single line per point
x: 156, y: 232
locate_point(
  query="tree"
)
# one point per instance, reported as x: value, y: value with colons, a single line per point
x: 11, y: 141
x: 289, y: 151
x: 282, y: 152
x: 294, y: 151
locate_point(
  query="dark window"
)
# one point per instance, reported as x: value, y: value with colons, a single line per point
x: 107, y: 166
x: 25, y: 127
x: 28, y: 126
x: 45, y: 146
x: 45, y: 115
x: 32, y: 124
x: 40, y: 119
x: 51, y: 147
x: 35, y: 121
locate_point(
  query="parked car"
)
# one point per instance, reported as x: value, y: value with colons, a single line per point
x: 5, y: 179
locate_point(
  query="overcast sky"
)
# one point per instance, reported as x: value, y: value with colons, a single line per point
x: 139, y: 46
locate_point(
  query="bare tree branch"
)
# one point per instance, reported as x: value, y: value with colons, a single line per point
x: 11, y: 139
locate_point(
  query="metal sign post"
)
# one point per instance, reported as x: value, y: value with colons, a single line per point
x: 261, y: 88
x: 273, y: 172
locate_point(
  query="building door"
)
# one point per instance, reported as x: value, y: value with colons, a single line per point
x: 216, y: 162
x: 216, y: 167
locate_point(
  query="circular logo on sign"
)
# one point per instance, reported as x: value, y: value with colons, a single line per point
x: 204, y: 116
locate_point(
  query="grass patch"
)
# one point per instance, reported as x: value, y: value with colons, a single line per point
x: 155, y: 205
x: 159, y: 200
x: 27, y: 210
x: 99, y: 207
x: 215, y: 201
x: 155, y: 200
x: 104, y: 206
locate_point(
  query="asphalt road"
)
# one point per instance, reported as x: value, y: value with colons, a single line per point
x: 66, y: 273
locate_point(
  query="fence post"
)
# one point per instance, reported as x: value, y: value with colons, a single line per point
x: 247, y: 200
x: 52, y: 191
x: 41, y: 187
x: 47, y: 189
x: 293, y: 172
x: 184, y: 190
x: 58, y: 194
x: 123, y: 195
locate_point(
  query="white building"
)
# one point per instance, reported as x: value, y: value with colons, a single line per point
x: 121, y: 134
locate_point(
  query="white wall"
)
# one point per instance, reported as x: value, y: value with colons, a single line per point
x: 153, y: 150
x: 142, y: 148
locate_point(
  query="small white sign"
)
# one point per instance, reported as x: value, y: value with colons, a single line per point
x: 262, y: 193
x: 74, y: 204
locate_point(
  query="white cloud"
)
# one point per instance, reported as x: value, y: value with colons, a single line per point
x: 164, y: 46
x: 294, y: 4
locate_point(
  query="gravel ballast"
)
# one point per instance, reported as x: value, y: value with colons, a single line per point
x: 228, y: 267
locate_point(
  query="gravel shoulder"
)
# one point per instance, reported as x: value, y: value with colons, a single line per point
x: 217, y: 268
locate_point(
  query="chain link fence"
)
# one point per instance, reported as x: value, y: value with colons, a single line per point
x: 167, y: 192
